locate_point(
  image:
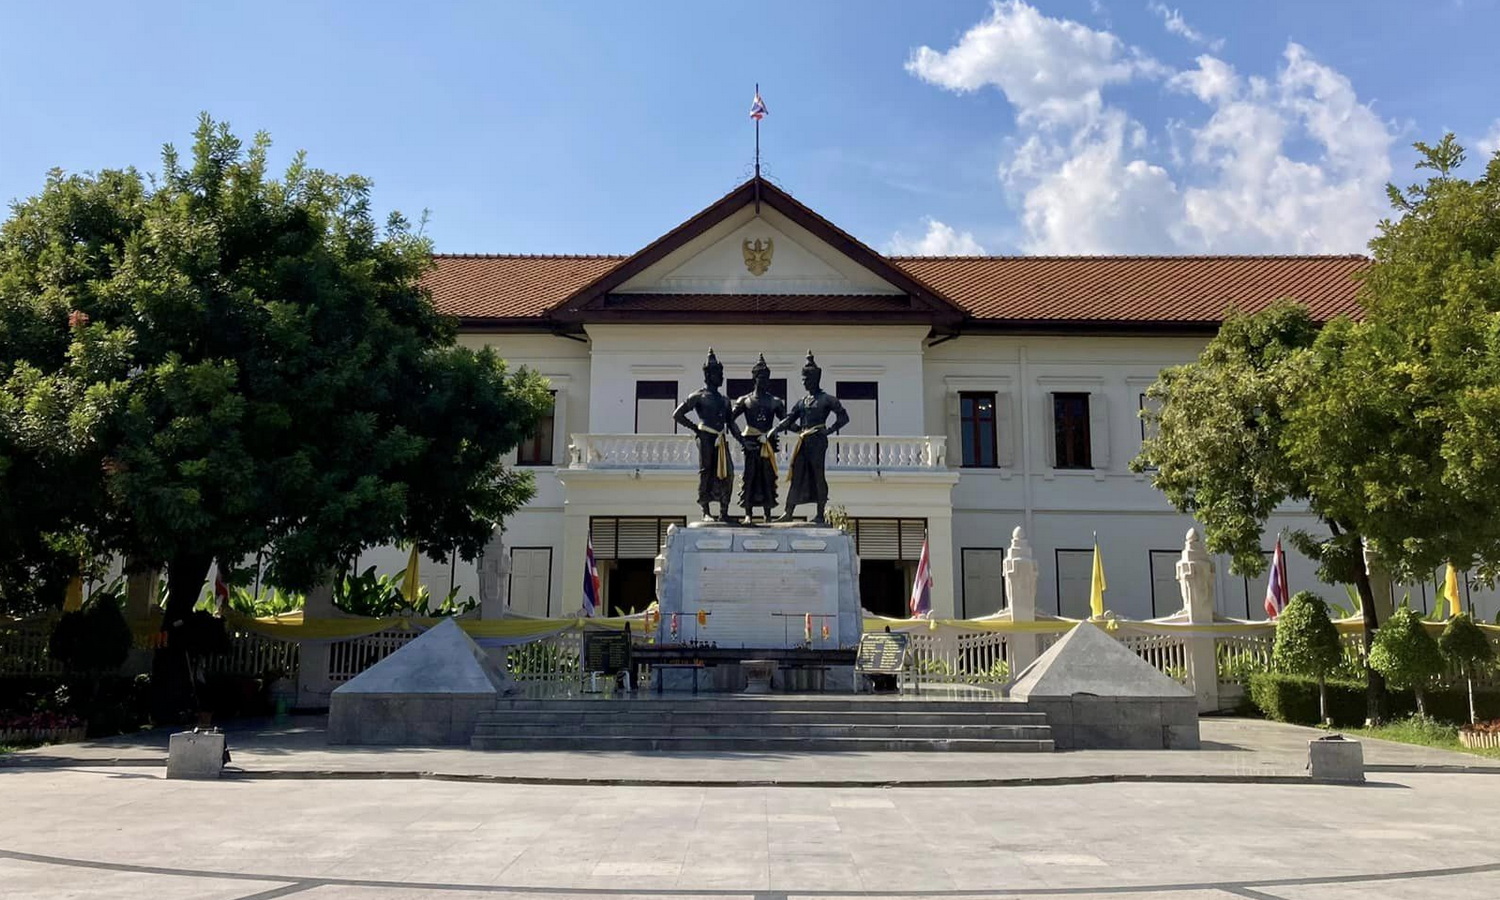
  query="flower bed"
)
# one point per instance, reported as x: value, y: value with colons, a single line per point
x: 40, y: 728
x: 1480, y: 735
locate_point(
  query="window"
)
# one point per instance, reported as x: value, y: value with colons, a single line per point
x: 1070, y: 431
x: 888, y: 538
x: 630, y: 538
x: 536, y: 450
x: 531, y: 580
x: 1149, y: 429
x: 735, y: 388
x: 977, y: 429
x: 1075, y: 580
x: 983, y: 580
x: 1166, y: 595
x: 655, y: 401
x: 861, y: 400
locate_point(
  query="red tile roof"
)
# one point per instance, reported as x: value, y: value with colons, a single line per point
x: 510, y: 287
x: 1138, y: 288
x: 1038, y: 289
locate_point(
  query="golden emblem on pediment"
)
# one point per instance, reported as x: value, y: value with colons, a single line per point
x: 758, y: 255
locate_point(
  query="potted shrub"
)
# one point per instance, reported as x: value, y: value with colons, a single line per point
x: 1307, y: 643
x: 1406, y: 654
x: 1467, y: 648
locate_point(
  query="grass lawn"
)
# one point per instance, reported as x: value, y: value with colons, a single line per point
x: 1423, y: 732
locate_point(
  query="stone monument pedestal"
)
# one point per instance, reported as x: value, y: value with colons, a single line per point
x: 764, y: 589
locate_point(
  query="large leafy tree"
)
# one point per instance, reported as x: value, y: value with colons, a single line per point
x: 242, y: 364
x: 1381, y: 426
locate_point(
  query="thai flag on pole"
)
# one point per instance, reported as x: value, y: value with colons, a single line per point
x: 591, y: 591
x: 221, y: 588
x: 921, y: 588
x: 1276, y: 595
x: 758, y: 109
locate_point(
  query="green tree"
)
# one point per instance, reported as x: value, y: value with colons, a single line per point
x: 1382, y: 426
x: 1307, y: 643
x: 251, y: 364
x: 1466, y: 646
x: 1406, y: 654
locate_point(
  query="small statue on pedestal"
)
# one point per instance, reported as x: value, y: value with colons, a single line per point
x: 761, y: 410
x: 809, y: 417
x: 715, y: 468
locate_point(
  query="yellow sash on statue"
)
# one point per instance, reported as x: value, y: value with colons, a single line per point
x: 766, y: 452
x: 800, y: 436
x: 723, y: 448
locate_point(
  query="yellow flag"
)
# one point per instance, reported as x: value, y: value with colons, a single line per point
x: 1097, y: 589
x: 1450, y: 587
x: 410, y: 583
x: 73, y: 599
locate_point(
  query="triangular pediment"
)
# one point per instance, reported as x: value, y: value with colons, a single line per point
x: 754, y: 252
x: 757, y: 252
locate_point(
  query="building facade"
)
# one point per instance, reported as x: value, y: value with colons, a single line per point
x: 984, y: 393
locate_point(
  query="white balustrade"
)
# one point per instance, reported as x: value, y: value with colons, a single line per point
x: 680, y: 451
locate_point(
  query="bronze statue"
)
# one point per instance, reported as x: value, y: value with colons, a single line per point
x: 761, y: 410
x: 809, y: 417
x: 715, y: 468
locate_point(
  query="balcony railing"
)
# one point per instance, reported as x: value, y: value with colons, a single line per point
x: 679, y: 451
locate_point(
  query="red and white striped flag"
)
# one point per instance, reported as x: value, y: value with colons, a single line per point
x: 1276, y: 590
x: 221, y: 588
x: 590, y: 581
x: 921, y: 588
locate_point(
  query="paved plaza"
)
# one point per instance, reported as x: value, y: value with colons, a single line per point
x: 307, y: 821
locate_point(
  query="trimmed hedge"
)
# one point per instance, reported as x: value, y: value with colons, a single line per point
x: 1294, y: 698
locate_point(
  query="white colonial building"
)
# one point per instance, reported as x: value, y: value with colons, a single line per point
x: 985, y: 393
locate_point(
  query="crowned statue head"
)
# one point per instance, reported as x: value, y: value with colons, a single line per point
x: 812, y: 374
x: 713, y: 370
x: 761, y: 373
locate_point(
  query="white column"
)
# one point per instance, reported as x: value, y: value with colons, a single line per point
x: 1195, y: 578
x: 940, y: 558
x: 1020, y: 590
x: 140, y: 594
x: 1380, y: 585
x: 313, y: 686
x: 494, y: 577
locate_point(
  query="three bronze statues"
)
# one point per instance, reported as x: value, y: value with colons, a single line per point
x: 766, y: 418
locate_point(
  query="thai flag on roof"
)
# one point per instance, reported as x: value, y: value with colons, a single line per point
x: 758, y: 109
x: 590, y: 580
x: 921, y: 588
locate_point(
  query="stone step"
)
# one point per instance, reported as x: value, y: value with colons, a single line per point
x: 761, y: 718
x: 746, y: 704
x: 750, y: 732
x: 760, y: 744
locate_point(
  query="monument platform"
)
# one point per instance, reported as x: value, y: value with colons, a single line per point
x: 739, y: 723
x: 783, y: 593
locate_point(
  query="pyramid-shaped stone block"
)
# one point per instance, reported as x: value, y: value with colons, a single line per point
x: 1088, y: 661
x: 1098, y: 694
x: 430, y: 691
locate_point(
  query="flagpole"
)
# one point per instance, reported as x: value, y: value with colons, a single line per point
x: 757, y: 153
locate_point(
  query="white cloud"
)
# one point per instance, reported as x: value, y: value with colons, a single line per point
x: 1292, y: 162
x: 1490, y: 143
x: 1051, y: 70
x: 940, y: 240
x: 1177, y: 25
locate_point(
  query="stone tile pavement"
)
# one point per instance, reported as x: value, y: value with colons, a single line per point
x: 1233, y: 748
x: 124, y: 832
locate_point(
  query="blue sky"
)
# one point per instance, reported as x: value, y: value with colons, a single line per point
x: 1054, y: 127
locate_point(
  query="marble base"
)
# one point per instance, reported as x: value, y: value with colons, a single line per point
x: 758, y: 583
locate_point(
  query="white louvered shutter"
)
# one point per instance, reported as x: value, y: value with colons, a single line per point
x: 1099, y: 430
x: 1048, y: 415
x: 1005, y: 432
